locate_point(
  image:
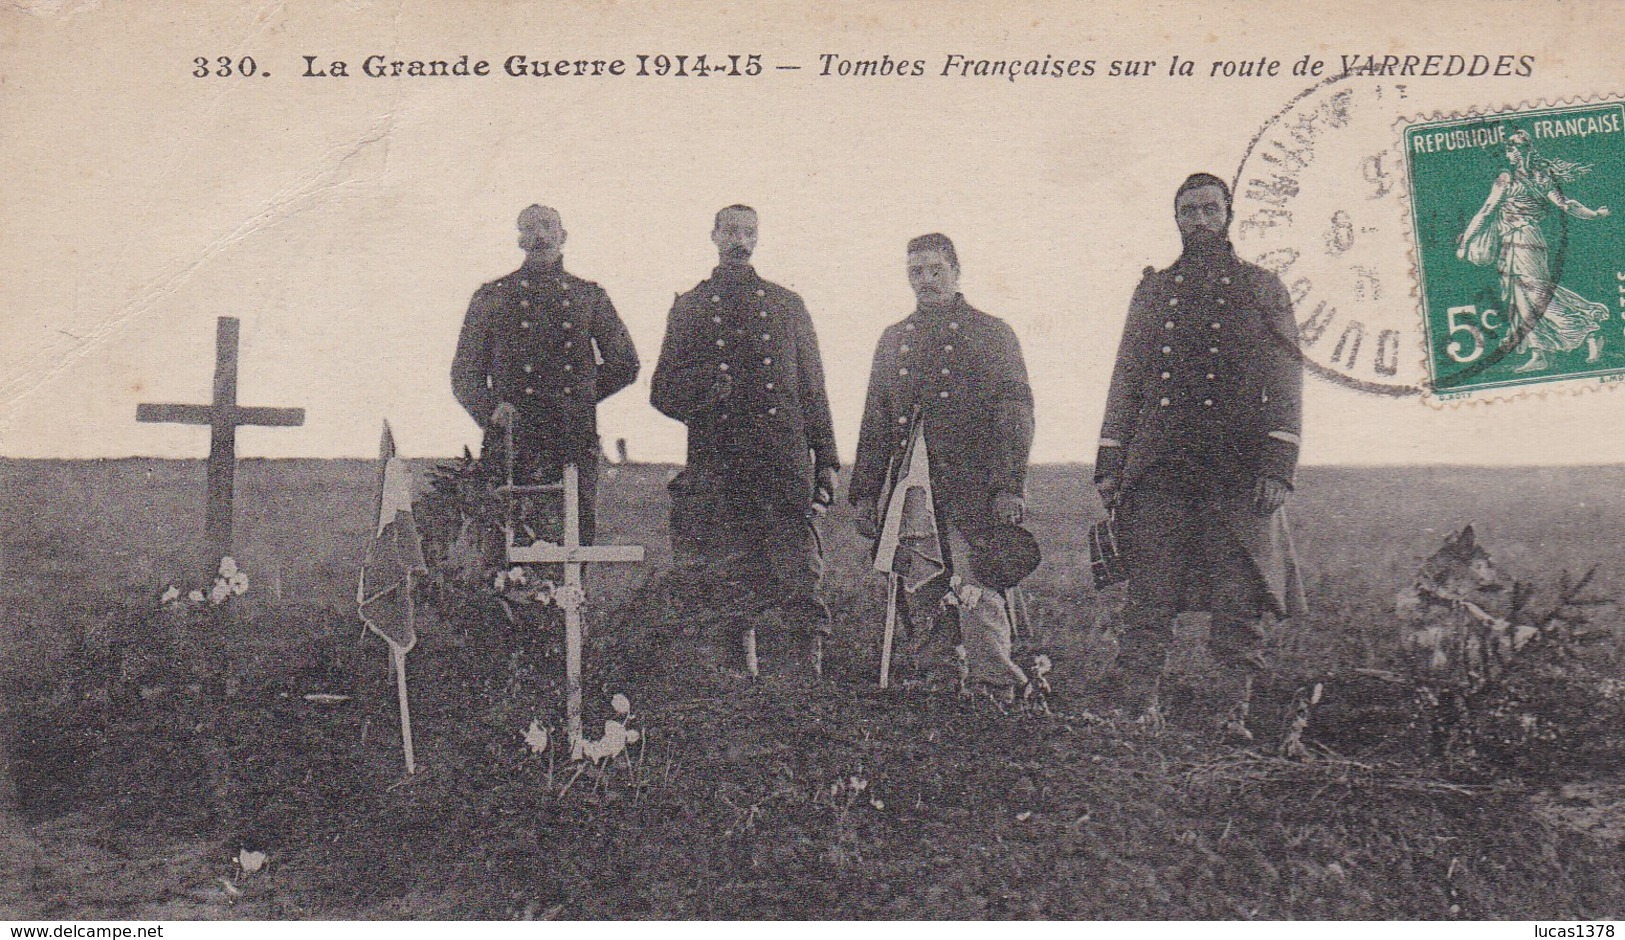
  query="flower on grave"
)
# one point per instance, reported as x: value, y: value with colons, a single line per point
x: 171, y: 595
x: 220, y: 592
x: 195, y: 596
x: 238, y: 583
x: 536, y: 738
x: 614, y: 742
x: 228, y: 567
x: 621, y: 704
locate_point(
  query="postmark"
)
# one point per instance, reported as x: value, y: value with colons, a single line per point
x: 1318, y: 202
x: 1519, y: 256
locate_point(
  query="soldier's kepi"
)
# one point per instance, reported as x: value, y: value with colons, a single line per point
x: 540, y: 348
x: 1198, y: 451
x: 740, y: 366
x: 959, y: 371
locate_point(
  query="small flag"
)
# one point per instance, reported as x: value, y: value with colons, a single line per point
x: 384, y: 593
x: 909, y: 546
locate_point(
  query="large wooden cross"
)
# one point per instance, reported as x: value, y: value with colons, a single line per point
x: 223, y: 416
x: 570, y: 597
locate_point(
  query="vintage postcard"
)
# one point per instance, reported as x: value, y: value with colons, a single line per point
x: 584, y: 461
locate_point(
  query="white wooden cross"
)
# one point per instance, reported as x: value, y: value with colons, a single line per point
x: 570, y: 597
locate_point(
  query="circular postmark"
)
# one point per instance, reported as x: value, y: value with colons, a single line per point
x: 1318, y: 202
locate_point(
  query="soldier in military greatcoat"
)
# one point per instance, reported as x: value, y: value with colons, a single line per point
x: 961, y: 372
x: 740, y: 367
x: 540, y: 348
x: 1198, y: 452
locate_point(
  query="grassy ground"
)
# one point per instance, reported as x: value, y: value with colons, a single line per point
x: 133, y: 797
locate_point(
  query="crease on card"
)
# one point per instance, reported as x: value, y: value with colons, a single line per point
x: 330, y: 176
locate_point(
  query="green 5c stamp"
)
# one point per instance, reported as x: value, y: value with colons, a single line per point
x: 1520, y: 261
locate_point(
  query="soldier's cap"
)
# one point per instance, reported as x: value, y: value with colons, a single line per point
x: 1004, y: 556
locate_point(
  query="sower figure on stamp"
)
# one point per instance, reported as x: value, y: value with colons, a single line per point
x: 1198, y: 451
x: 540, y: 348
x: 961, y: 372
x: 740, y: 366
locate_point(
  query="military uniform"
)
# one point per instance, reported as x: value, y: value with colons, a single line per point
x: 1205, y: 399
x: 740, y: 366
x: 550, y: 344
x: 961, y: 372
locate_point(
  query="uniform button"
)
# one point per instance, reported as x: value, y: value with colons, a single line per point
x: 903, y: 371
x: 715, y: 298
x: 1167, y: 374
x: 761, y: 314
x: 565, y: 302
x: 902, y: 419
x: 721, y: 343
x: 528, y: 367
x: 760, y: 292
x: 568, y: 343
x: 770, y: 386
x: 1173, y: 301
x: 524, y: 283
x: 945, y: 372
x: 567, y: 324
x: 524, y: 303
x: 909, y: 327
x: 1224, y: 280
x: 1213, y: 349
x: 903, y: 348
x: 1210, y: 375
x: 948, y: 348
x: 1169, y: 325
x: 524, y: 324
x: 1221, y: 301
x: 942, y: 394
x: 1164, y: 403
x: 1215, y: 324
x: 1207, y: 401
x: 568, y: 390
x: 569, y: 368
x: 767, y: 361
x: 766, y: 337
x: 953, y: 326
x: 1179, y: 278
x: 722, y: 367
x: 1167, y: 349
x: 723, y: 417
x: 772, y: 411
x: 530, y: 391
x: 716, y: 319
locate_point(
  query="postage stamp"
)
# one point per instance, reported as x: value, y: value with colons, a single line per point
x: 1519, y: 256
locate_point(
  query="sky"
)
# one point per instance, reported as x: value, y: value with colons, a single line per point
x: 347, y: 222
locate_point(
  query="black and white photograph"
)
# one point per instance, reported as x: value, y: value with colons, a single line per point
x: 590, y: 461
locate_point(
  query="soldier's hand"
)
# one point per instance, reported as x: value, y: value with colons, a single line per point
x: 1009, y: 508
x: 824, y: 489
x: 503, y: 414
x: 866, y: 519
x: 1110, y: 489
x: 1268, y: 495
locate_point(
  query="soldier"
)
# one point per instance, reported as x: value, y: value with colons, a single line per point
x: 540, y: 348
x: 740, y: 366
x: 961, y: 372
x: 1198, y: 451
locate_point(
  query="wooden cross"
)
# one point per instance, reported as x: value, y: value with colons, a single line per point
x: 223, y: 416
x: 570, y: 597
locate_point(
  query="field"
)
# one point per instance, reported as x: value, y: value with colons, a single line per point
x: 779, y: 798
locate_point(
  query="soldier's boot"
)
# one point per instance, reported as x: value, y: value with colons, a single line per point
x: 1237, y: 643
x: 1143, y: 637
